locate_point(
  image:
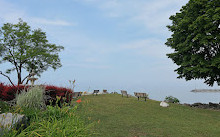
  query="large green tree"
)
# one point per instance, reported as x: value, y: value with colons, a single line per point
x: 27, y: 50
x: 195, y: 39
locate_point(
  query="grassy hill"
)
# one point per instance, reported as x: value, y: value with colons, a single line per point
x: 115, y: 116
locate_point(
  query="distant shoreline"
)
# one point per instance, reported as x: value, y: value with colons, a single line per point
x: 206, y: 90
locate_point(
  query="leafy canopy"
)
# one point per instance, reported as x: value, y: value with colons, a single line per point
x: 195, y: 39
x: 27, y: 49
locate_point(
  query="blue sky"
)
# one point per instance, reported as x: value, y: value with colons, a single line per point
x: 109, y: 44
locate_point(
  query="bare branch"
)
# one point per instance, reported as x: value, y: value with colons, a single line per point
x: 25, y: 78
x: 7, y: 77
x: 10, y: 60
x: 15, y: 63
x: 27, y: 82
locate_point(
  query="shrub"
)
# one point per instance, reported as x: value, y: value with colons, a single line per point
x: 56, y: 122
x: 8, y: 92
x: 4, y: 107
x: 33, y: 98
x: 52, y: 122
x: 54, y: 91
x: 171, y: 99
x: 2, y: 87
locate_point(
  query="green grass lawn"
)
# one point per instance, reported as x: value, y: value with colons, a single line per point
x: 115, y: 116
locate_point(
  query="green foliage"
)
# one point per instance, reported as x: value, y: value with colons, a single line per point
x: 4, y: 107
x: 171, y: 99
x: 56, y: 121
x: 33, y: 98
x: 52, y: 122
x: 27, y: 49
x: 195, y: 40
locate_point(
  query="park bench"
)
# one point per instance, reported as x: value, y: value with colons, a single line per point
x: 141, y: 95
x: 95, y: 92
x: 124, y: 93
x: 105, y: 91
x: 76, y: 94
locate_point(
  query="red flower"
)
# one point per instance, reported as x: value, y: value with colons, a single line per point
x: 78, y: 101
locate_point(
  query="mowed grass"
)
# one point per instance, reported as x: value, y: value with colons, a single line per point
x: 115, y: 116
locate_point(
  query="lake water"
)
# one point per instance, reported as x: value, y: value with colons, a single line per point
x: 183, y: 94
x: 187, y: 96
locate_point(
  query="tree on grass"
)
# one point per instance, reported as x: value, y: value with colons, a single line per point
x: 26, y: 49
x: 195, y: 39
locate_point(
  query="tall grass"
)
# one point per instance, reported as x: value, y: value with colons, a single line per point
x: 4, y: 107
x: 127, y: 117
x: 54, y: 121
x: 33, y: 98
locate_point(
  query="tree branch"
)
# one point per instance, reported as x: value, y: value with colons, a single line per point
x: 7, y: 77
x: 15, y: 63
x: 25, y: 78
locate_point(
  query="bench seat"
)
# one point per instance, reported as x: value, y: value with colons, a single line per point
x: 141, y: 95
x: 124, y: 93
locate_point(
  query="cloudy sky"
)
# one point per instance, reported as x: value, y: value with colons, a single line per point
x: 109, y: 44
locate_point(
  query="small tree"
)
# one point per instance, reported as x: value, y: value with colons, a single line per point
x: 195, y: 40
x: 26, y: 49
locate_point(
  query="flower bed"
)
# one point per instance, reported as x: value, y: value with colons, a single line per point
x: 54, y: 91
x: 8, y: 92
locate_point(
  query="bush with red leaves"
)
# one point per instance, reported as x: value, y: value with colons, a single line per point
x: 53, y: 91
x: 8, y: 92
x: 2, y: 87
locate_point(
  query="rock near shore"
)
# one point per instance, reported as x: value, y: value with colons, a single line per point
x: 210, y: 105
x: 10, y: 120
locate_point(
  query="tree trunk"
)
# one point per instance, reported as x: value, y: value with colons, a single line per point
x: 19, y: 78
x: 19, y: 75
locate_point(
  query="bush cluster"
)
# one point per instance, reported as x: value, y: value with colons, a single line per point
x: 57, y: 119
x: 54, y: 121
x: 32, y: 98
x: 171, y: 99
x: 8, y: 92
x: 54, y: 91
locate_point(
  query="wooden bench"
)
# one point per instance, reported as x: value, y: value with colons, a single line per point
x: 76, y: 94
x: 141, y: 95
x: 95, y: 92
x: 105, y: 91
x: 124, y: 93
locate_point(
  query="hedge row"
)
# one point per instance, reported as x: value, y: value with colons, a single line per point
x: 8, y: 92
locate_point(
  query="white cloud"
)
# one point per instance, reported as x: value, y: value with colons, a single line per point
x: 91, y: 60
x: 52, y: 22
x: 87, y: 66
x: 11, y: 13
x: 153, y: 15
x: 147, y: 47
